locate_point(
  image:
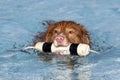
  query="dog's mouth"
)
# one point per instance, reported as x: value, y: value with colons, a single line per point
x: 61, y: 40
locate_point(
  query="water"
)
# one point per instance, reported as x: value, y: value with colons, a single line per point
x: 21, y: 20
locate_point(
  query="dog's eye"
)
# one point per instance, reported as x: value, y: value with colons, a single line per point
x: 71, y: 32
x: 55, y: 31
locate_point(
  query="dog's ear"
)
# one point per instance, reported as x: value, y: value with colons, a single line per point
x: 84, y: 34
x: 48, y: 33
x: 48, y: 22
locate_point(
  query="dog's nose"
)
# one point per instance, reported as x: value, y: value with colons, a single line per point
x: 60, y: 38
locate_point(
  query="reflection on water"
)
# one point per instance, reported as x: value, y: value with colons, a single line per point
x: 79, y: 67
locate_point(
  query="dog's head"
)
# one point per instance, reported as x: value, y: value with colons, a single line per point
x: 65, y: 32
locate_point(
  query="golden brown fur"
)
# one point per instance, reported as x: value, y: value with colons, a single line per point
x: 74, y: 33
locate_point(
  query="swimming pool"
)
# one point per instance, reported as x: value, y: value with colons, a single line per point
x: 20, y: 21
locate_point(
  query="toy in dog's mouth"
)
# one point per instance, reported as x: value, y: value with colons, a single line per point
x: 71, y: 49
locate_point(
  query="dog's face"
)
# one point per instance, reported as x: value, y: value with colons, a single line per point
x: 65, y: 32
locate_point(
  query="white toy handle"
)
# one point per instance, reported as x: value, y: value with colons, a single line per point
x: 72, y: 49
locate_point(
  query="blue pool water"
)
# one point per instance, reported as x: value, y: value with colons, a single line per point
x: 20, y: 21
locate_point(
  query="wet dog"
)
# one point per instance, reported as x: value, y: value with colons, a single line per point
x: 62, y: 33
x: 65, y: 32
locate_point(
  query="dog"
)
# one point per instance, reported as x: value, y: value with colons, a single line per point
x: 63, y: 33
